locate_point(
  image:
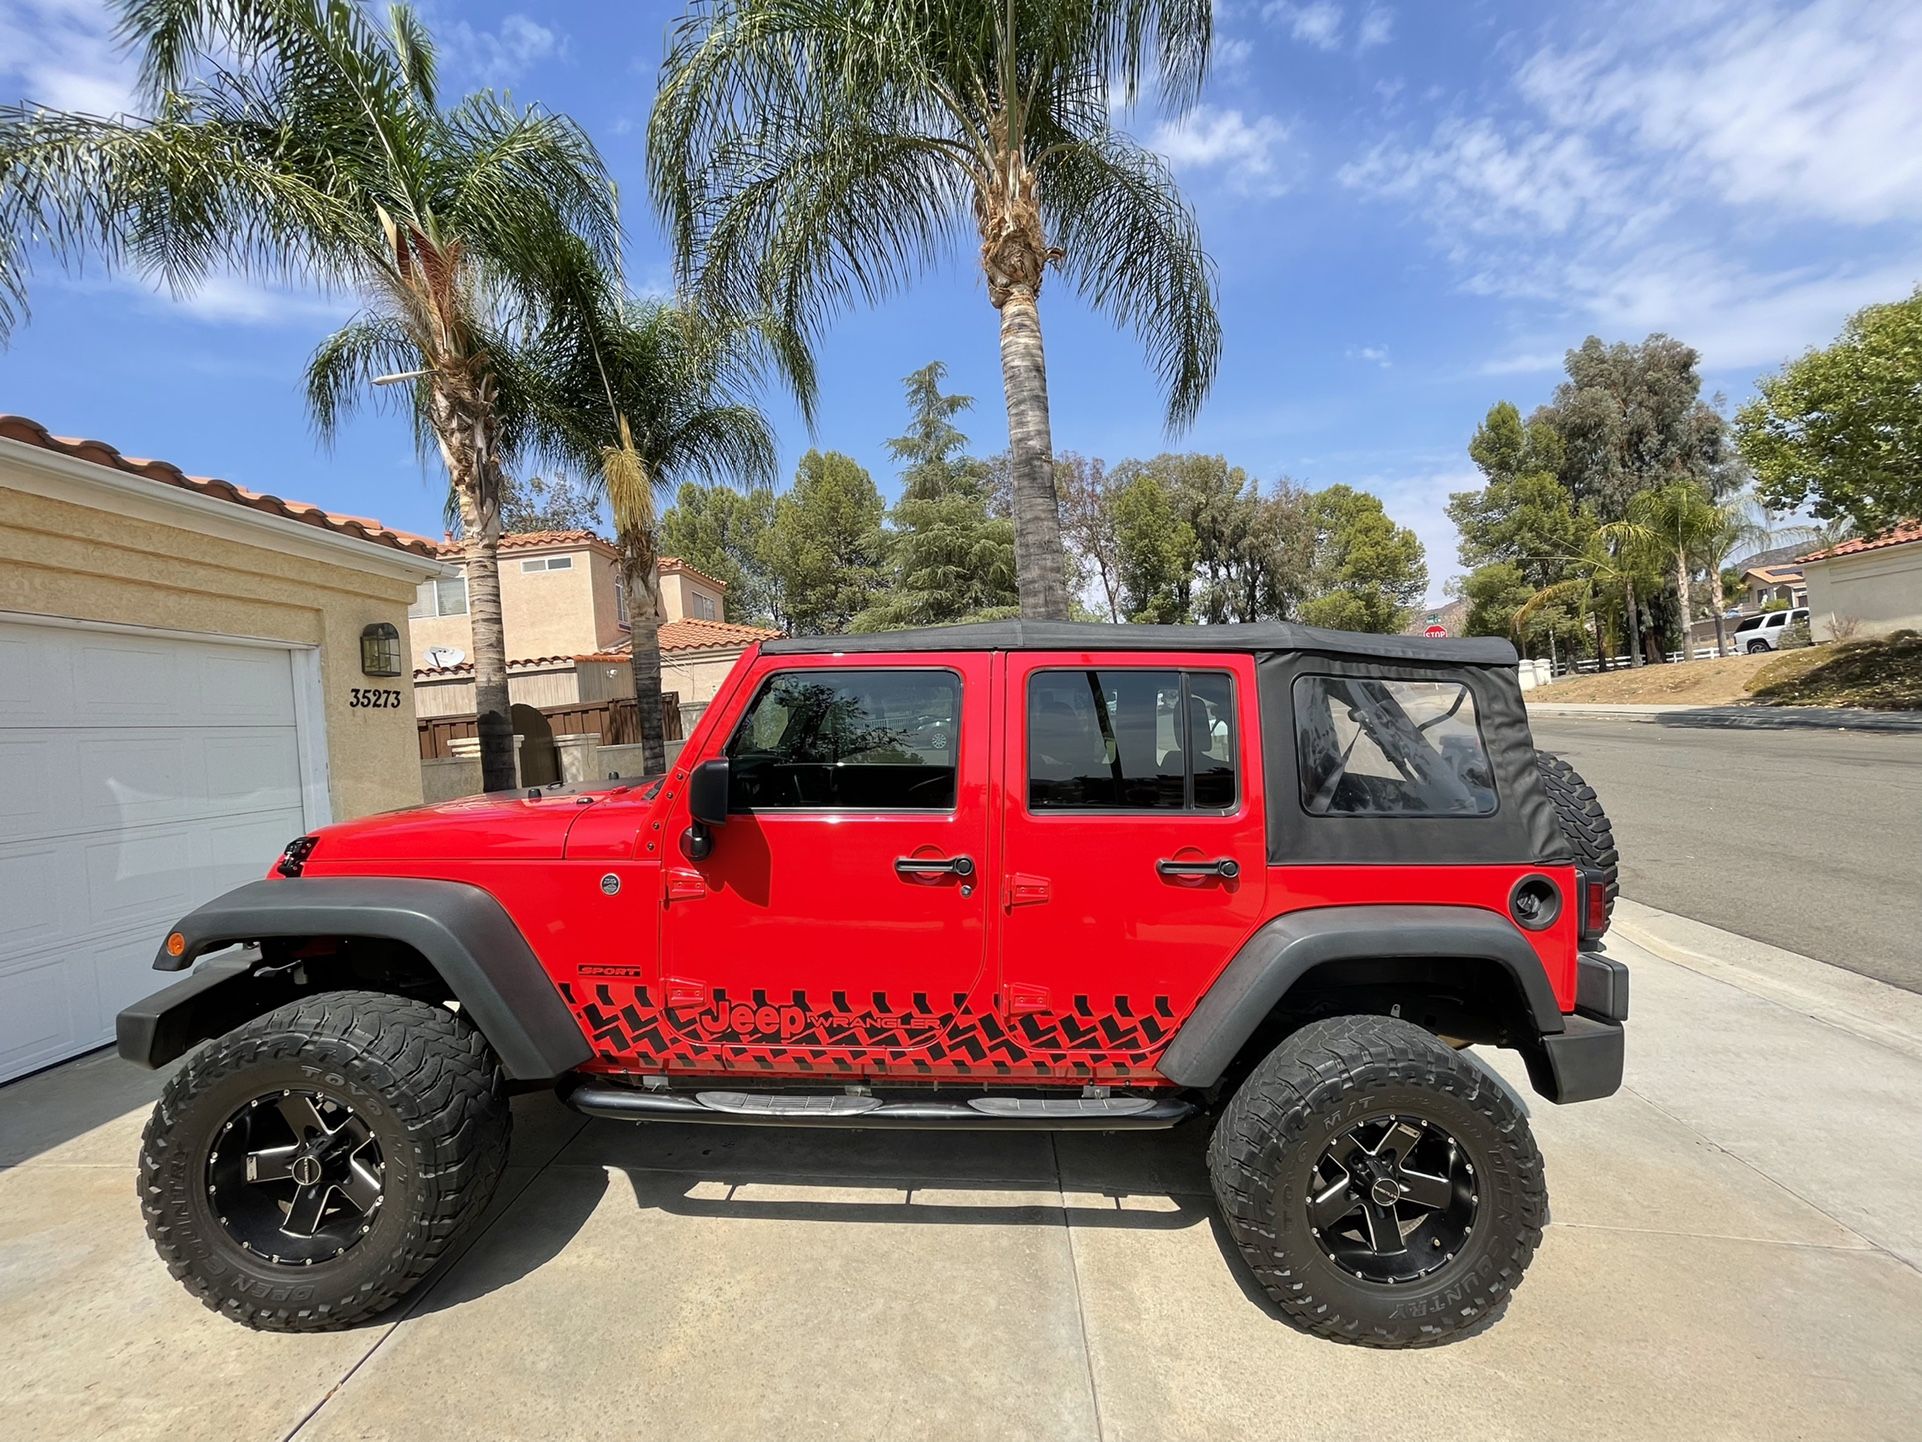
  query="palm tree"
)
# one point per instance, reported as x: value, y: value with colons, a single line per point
x: 295, y: 139
x: 643, y: 395
x: 1613, y: 559
x: 1678, y: 522
x: 808, y: 153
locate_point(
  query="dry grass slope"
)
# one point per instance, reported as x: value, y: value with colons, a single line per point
x: 1884, y: 673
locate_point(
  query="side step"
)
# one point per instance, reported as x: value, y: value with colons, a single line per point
x: 795, y: 1109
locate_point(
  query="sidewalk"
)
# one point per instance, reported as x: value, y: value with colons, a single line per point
x: 1759, y: 718
x: 1734, y: 1253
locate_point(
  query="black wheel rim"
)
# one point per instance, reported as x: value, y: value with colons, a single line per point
x: 1393, y: 1199
x: 296, y: 1177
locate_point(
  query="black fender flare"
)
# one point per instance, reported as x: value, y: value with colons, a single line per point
x: 1286, y: 949
x: 461, y: 931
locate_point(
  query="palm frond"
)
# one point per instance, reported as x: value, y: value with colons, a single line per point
x: 1132, y: 248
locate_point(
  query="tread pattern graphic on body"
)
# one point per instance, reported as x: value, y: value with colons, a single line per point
x: 838, y: 1031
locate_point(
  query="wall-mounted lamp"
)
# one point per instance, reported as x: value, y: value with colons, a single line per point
x: 380, y: 649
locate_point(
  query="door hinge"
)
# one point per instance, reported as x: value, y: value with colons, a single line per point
x: 684, y: 885
x: 1025, y: 997
x: 1026, y: 890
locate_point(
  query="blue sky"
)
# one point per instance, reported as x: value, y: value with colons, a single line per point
x: 1415, y: 208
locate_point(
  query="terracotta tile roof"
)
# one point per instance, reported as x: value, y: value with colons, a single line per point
x: 1900, y: 534
x: 1775, y: 575
x: 466, y: 668
x: 692, y: 636
x: 675, y: 563
x: 451, y: 549
x: 32, y: 433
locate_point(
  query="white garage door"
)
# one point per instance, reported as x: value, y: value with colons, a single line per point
x: 139, y: 776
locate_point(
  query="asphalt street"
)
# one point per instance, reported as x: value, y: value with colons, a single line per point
x: 1809, y: 840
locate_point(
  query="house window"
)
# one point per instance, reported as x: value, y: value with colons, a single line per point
x: 446, y: 597
x: 702, y: 604
x: 548, y: 563
x: 620, y: 601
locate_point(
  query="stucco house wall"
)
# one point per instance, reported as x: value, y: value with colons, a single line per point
x: 543, y: 612
x: 81, y: 540
x: 1867, y: 593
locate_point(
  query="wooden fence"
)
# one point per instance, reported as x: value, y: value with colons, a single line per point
x: 616, y: 722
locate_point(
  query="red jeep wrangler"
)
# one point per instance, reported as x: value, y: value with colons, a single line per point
x: 1012, y: 875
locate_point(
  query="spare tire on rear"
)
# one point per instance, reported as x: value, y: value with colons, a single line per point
x: 1584, y: 822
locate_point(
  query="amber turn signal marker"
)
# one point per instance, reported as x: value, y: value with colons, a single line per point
x: 176, y: 944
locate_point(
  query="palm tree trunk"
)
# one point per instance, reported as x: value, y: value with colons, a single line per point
x: 642, y: 579
x: 480, y: 542
x: 1632, y: 625
x: 1040, y: 565
x: 1601, y: 642
x: 1721, y: 634
x: 1688, y: 608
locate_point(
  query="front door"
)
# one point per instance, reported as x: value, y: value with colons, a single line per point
x: 1134, y: 851
x: 839, y: 924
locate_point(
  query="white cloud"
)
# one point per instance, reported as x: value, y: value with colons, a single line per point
x: 1377, y: 28
x: 1419, y: 501
x: 1208, y: 138
x: 63, y: 54
x: 226, y: 299
x: 1317, y: 23
x: 1816, y: 110
x: 1647, y: 181
x: 1373, y: 354
x: 1232, y: 54
x: 500, y: 57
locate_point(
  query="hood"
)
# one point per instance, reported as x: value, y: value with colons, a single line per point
x: 507, y: 826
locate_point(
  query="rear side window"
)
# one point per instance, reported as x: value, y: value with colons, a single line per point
x: 882, y: 740
x: 1369, y: 746
x: 1132, y: 740
x: 1750, y: 624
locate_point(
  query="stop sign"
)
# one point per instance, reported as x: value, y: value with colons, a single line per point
x: 1436, y: 632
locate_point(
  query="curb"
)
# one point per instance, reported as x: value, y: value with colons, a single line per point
x: 1743, y: 718
x: 1874, y: 1010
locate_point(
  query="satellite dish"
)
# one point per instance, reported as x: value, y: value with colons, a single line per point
x: 441, y: 657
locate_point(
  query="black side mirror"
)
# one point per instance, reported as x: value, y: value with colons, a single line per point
x: 707, y: 792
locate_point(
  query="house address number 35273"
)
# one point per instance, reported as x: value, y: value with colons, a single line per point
x: 378, y: 697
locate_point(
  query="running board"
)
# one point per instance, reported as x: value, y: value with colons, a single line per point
x: 795, y: 1109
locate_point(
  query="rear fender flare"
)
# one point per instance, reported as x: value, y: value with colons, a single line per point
x: 1286, y: 949
x: 462, y: 931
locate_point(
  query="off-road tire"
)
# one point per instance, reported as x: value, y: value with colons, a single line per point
x: 1329, y: 1077
x: 429, y: 1088
x: 1583, y: 821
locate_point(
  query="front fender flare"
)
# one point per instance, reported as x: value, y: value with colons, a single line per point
x: 1289, y: 947
x: 461, y: 931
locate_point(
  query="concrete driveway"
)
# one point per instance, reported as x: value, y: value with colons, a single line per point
x: 1734, y: 1253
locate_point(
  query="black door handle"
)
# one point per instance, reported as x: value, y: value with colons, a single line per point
x: 1227, y: 868
x: 930, y: 866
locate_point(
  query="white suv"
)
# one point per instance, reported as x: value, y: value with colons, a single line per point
x: 1764, y: 632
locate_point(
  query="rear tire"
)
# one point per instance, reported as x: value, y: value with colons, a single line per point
x: 1351, y: 1104
x: 306, y: 1170
x: 1584, y: 823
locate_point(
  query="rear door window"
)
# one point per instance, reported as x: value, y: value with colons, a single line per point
x: 1132, y: 740
x: 1371, y: 746
x: 865, y: 740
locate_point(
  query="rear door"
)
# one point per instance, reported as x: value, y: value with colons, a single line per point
x: 840, y: 922
x: 1134, y: 852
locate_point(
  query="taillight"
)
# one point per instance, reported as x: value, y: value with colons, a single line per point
x: 1594, y: 907
x: 294, y: 858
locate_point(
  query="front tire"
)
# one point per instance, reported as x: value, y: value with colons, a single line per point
x: 1756, y: 648
x: 306, y: 1170
x: 1385, y: 1189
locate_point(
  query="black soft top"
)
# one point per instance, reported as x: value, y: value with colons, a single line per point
x: 1259, y: 637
